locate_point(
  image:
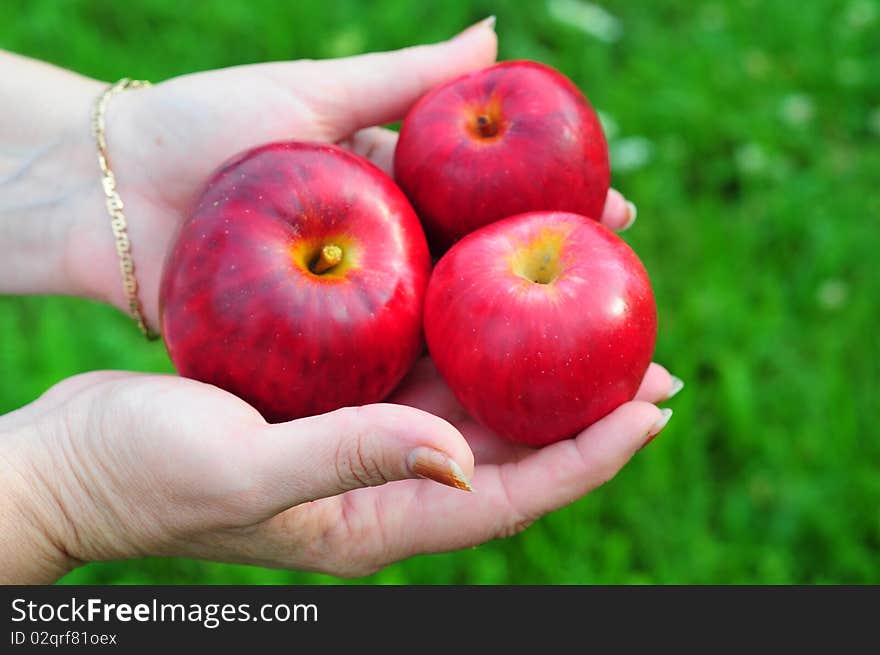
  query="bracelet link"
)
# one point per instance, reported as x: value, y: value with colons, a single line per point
x: 115, y: 206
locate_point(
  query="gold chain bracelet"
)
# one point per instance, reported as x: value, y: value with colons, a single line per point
x: 115, y: 206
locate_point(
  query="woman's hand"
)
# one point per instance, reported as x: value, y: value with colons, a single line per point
x: 164, y: 142
x: 115, y: 465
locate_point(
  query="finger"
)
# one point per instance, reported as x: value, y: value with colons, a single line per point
x: 376, y: 144
x: 619, y: 214
x: 509, y: 497
x: 512, y: 496
x: 356, y: 447
x: 424, y: 389
x: 560, y: 473
x: 658, y: 385
x: 378, y: 88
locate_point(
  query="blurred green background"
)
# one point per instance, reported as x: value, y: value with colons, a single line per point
x: 747, y: 132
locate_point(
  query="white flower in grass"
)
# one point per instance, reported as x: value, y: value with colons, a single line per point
x: 797, y: 109
x: 862, y: 13
x: 874, y: 121
x: 751, y: 158
x: 348, y: 41
x: 832, y: 294
x: 630, y: 153
x: 588, y: 17
x: 609, y: 125
x: 756, y: 63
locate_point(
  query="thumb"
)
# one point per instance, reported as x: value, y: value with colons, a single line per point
x: 355, y: 447
x: 378, y: 88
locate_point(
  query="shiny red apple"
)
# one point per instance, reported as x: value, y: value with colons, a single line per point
x: 516, y: 137
x: 541, y: 324
x: 298, y: 282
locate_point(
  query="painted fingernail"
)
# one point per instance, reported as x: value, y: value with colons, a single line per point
x: 633, y: 212
x: 657, y: 428
x: 677, y: 385
x: 488, y: 23
x: 439, y: 467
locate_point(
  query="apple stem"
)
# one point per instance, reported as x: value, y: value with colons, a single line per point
x: 329, y: 257
x: 486, y: 127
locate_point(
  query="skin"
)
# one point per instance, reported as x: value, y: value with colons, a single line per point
x: 113, y: 465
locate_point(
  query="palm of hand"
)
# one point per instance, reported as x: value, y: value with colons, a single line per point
x: 360, y: 531
x: 165, y: 141
x: 207, y: 478
x: 198, y: 122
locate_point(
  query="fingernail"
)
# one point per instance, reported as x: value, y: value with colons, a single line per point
x: 657, y: 428
x: 677, y: 385
x: 439, y: 467
x: 633, y: 212
x: 488, y: 23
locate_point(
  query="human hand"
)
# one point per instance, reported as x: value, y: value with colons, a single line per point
x: 114, y: 465
x: 165, y: 141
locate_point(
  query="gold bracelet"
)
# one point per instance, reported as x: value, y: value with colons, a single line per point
x: 115, y: 206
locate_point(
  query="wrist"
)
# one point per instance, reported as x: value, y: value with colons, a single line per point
x: 98, y: 274
x: 114, y: 204
x: 55, y: 230
x: 32, y: 542
x: 44, y: 162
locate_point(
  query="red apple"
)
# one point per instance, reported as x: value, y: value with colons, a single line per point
x: 541, y: 324
x: 512, y: 138
x: 298, y: 282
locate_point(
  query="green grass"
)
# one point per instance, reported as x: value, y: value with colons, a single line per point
x: 748, y: 133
